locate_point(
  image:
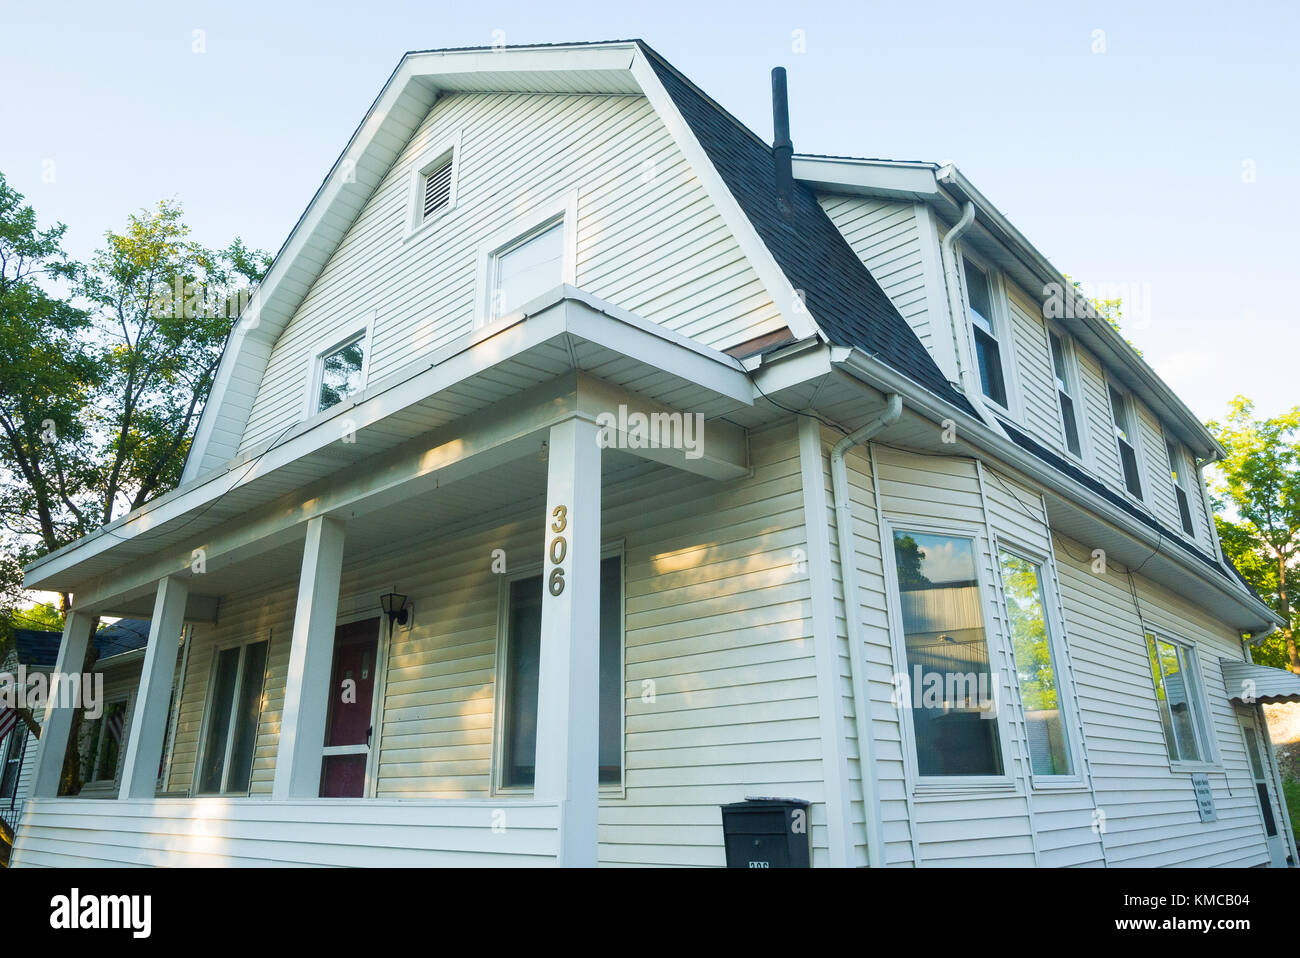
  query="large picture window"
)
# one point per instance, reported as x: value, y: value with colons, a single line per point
x: 1037, y: 674
x: 953, y: 702
x: 234, y: 711
x: 520, y: 675
x: 1178, y: 696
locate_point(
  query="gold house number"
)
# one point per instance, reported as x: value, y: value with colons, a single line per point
x: 559, y: 549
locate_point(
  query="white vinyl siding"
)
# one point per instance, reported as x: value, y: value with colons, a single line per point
x: 886, y: 238
x: 1034, y: 377
x: 648, y: 237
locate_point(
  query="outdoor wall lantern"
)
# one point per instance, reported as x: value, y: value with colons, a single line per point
x: 394, y: 606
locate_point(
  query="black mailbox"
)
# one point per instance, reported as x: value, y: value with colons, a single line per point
x: 766, y: 833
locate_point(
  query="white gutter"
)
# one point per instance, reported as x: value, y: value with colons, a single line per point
x: 956, y: 313
x: 849, y: 585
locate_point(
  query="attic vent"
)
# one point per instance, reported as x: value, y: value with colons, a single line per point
x: 437, y: 188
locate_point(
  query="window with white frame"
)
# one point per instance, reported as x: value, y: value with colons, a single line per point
x: 951, y: 681
x: 984, y: 325
x: 433, y: 183
x: 1180, y: 472
x: 522, y: 660
x: 102, y: 740
x: 340, y: 372
x: 1121, y: 411
x: 1037, y: 673
x: 526, y: 267
x: 234, y: 711
x: 1179, y: 699
x: 1065, y: 392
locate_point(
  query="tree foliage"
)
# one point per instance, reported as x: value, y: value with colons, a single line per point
x: 1257, y: 498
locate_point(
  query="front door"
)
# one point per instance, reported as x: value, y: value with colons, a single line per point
x: 350, y: 726
x: 1259, y: 769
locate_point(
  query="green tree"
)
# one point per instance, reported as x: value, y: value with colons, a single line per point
x: 1257, y: 501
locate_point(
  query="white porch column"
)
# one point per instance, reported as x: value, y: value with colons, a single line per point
x: 57, y: 723
x: 306, y: 694
x: 568, y: 681
x: 149, y: 720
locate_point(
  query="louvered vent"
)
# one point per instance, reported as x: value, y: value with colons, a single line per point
x: 437, y: 189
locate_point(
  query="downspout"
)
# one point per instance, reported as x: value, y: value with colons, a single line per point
x: 849, y: 585
x: 956, y: 312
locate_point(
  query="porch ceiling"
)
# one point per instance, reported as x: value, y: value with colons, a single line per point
x: 564, y: 332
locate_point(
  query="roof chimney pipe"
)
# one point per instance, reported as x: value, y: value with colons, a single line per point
x: 782, y: 149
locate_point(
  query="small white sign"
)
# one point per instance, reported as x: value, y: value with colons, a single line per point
x: 1204, y: 797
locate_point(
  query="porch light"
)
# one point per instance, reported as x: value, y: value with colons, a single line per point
x: 393, y: 605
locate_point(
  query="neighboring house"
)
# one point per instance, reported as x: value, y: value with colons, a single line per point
x: 452, y: 604
x: 119, y: 652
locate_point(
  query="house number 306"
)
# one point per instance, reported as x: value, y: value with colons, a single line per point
x: 559, y: 549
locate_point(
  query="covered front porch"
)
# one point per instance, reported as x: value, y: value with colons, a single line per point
x: 446, y: 483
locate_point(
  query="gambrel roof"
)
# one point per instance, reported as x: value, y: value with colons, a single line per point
x: 818, y: 283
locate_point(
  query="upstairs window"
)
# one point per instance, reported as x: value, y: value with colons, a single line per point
x: 1126, y: 438
x: 1178, y: 696
x: 527, y: 267
x: 1065, y: 395
x: 341, y: 373
x: 437, y: 187
x: 1181, y: 476
x: 988, y: 352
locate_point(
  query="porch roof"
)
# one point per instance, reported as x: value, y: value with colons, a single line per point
x: 564, y: 331
x: 1248, y: 682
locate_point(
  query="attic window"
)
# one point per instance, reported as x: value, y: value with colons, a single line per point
x: 437, y: 187
x: 341, y: 373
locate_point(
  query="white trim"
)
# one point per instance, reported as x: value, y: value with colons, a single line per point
x: 424, y: 164
x: 363, y: 331
x: 561, y: 209
x: 1190, y: 658
x: 825, y: 638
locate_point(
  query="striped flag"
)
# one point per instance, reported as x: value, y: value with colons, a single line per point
x: 8, y: 719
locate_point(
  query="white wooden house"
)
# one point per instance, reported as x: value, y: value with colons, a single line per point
x: 921, y: 461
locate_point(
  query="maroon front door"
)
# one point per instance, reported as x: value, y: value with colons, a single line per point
x: 351, y: 710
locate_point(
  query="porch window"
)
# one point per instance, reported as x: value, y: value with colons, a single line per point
x: 1065, y: 394
x: 234, y: 711
x: 988, y: 354
x: 527, y: 267
x: 11, y: 757
x: 520, y: 676
x: 1178, y: 697
x: 1180, y: 476
x: 1036, y: 671
x: 1126, y: 438
x: 341, y: 373
x: 954, y: 717
x: 102, y: 739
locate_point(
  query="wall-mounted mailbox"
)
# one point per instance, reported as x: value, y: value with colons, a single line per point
x: 766, y: 833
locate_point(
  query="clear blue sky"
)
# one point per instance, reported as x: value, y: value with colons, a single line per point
x: 1123, y: 166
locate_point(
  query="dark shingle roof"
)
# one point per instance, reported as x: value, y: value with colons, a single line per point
x: 38, y: 649
x: 841, y: 294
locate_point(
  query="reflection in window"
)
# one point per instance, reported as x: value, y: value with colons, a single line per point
x: 234, y: 711
x: 1036, y: 672
x: 988, y: 354
x: 340, y: 374
x: 1176, y: 697
x: 103, y: 744
x: 953, y: 705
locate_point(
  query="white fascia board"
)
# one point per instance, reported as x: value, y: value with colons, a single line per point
x: 880, y: 376
x: 778, y: 286
x: 888, y: 179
